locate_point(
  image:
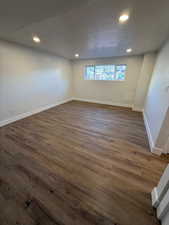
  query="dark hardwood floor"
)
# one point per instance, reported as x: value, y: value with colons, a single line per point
x: 78, y: 164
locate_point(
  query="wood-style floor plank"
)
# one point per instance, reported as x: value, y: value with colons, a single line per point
x: 78, y: 164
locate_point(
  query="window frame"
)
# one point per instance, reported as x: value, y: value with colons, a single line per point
x: 115, y: 80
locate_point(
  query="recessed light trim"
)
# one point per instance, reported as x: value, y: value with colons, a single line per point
x: 76, y: 55
x: 36, y: 39
x: 123, y: 18
x: 129, y: 50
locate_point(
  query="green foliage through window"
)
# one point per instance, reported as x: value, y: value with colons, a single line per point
x: 105, y: 72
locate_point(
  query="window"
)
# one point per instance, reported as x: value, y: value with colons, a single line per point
x: 105, y: 72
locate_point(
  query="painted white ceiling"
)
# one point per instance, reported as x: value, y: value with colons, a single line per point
x: 87, y: 27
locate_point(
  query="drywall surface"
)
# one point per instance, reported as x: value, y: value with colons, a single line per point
x: 157, y: 101
x: 165, y: 220
x: 30, y: 79
x: 144, y: 80
x: 163, y: 137
x: 112, y: 92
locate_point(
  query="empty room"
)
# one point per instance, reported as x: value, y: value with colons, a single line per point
x: 84, y: 112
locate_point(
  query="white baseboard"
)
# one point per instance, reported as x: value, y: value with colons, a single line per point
x: 24, y: 115
x: 154, y: 149
x: 157, y: 151
x: 155, y: 198
x: 103, y: 102
x: 150, y: 139
x: 163, y: 207
x: 137, y: 109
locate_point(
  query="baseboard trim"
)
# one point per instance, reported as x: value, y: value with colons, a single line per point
x: 27, y: 114
x: 137, y: 109
x: 150, y: 139
x: 163, y: 207
x: 153, y: 148
x: 155, y: 198
x: 157, y: 151
x: 103, y: 102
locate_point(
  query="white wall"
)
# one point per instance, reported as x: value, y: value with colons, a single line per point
x: 163, y: 137
x: 165, y: 220
x: 166, y: 145
x: 112, y: 92
x: 30, y: 79
x: 157, y: 101
x: 163, y: 208
x: 144, y: 80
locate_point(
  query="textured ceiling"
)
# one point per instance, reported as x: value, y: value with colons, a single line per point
x: 87, y: 27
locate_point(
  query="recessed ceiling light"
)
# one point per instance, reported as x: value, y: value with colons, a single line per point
x: 128, y: 50
x: 76, y: 55
x: 36, y: 39
x: 123, y: 18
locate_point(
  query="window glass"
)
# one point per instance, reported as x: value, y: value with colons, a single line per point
x: 105, y: 72
x: 90, y: 73
x: 120, y: 72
